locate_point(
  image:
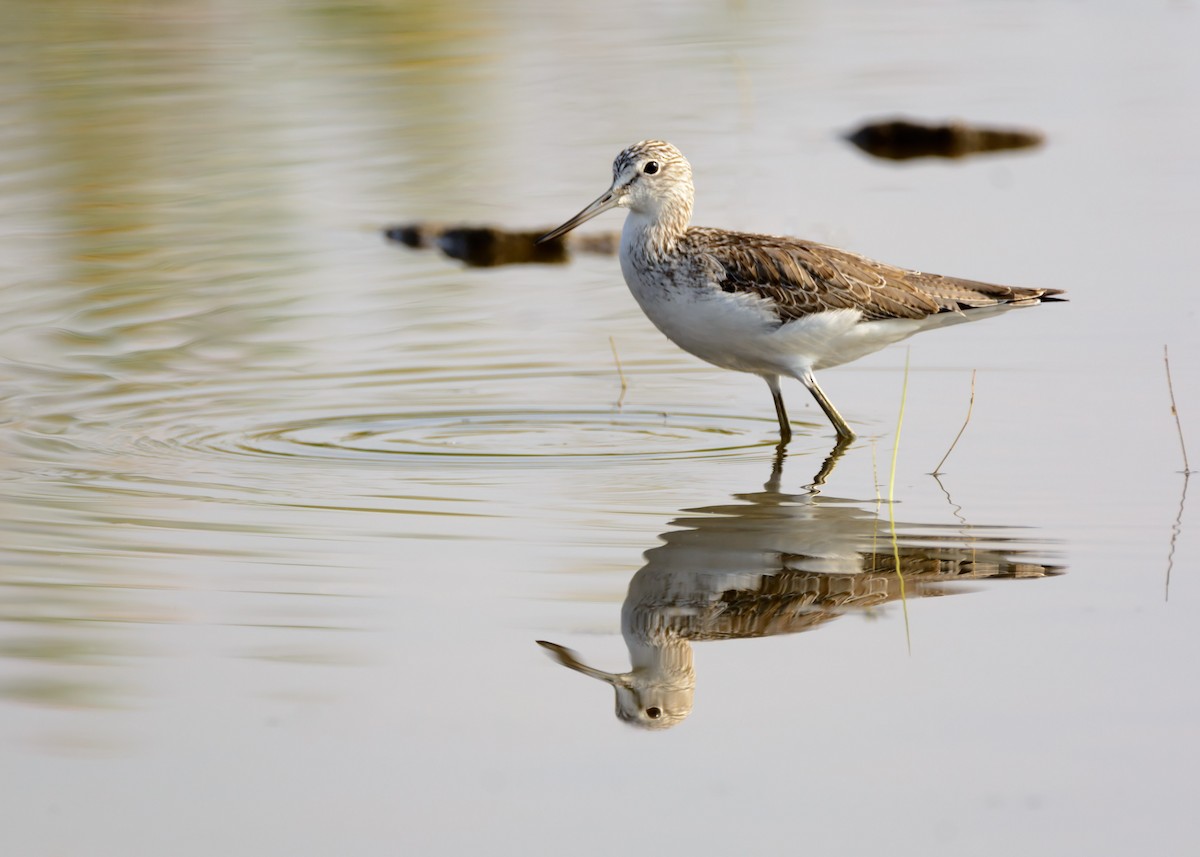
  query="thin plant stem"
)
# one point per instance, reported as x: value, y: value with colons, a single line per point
x: 899, y: 575
x: 899, y: 425
x: 970, y: 407
x: 1175, y: 411
x: 1175, y: 530
x: 892, y: 507
x: 620, y: 372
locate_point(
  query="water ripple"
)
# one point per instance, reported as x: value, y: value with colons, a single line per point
x: 498, y: 434
x: 466, y: 416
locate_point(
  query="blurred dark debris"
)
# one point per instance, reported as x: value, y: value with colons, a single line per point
x: 488, y: 246
x: 901, y: 139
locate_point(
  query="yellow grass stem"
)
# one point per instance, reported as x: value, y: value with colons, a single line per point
x: 892, y: 506
x: 620, y: 372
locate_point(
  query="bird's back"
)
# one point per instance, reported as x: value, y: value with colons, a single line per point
x: 801, y: 278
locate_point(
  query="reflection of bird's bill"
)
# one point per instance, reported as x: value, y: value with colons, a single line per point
x: 570, y: 659
x: 652, y: 696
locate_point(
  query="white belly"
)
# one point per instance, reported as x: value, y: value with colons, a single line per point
x: 740, y: 332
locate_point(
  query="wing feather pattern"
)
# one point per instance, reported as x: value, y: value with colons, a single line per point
x: 801, y: 278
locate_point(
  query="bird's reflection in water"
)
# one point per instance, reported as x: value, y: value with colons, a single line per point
x: 776, y: 563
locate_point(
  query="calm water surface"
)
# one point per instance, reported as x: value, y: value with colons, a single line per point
x: 286, y: 507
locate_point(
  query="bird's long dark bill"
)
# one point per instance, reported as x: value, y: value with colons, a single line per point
x: 604, y: 203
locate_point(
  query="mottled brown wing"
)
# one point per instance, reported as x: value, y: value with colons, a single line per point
x: 801, y: 278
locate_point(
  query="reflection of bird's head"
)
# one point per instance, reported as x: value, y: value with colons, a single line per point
x: 652, y: 706
x: 649, y: 699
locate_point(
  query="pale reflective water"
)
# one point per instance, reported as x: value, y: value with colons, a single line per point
x: 286, y: 507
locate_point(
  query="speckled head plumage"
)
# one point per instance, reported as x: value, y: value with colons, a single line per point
x: 651, y: 178
x: 670, y: 161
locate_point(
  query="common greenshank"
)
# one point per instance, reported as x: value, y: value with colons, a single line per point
x: 768, y: 305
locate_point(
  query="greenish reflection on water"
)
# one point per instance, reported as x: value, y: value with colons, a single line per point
x: 172, y: 177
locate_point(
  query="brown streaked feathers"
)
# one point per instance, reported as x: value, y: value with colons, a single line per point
x: 803, y: 277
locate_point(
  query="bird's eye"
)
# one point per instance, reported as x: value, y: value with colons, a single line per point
x: 651, y: 168
x: 653, y: 712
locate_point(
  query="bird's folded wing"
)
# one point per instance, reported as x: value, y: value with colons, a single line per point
x: 801, y: 277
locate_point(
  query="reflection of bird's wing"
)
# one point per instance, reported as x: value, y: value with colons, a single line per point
x: 792, y: 601
x: 800, y: 278
x: 777, y: 563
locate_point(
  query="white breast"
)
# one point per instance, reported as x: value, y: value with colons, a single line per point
x: 740, y: 330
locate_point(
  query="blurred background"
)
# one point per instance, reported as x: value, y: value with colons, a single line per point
x: 286, y: 505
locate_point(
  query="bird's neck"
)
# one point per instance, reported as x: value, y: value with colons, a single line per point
x: 655, y: 234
